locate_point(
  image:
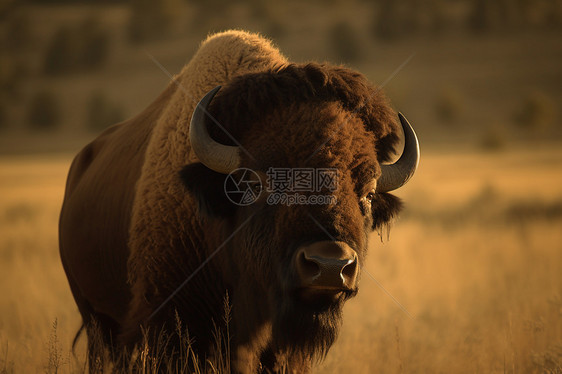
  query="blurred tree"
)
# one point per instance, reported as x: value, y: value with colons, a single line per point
x: 398, y: 19
x: 43, y: 112
x: 95, y: 41
x: 15, y: 39
x: 3, y: 114
x: 17, y: 34
x: 11, y: 76
x: 152, y: 19
x: 101, y: 112
x: 6, y: 7
x: 482, y: 16
x: 493, y: 138
x: 62, y: 52
x: 535, y: 113
x: 553, y: 17
x: 438, y: 18
x: 12, y: 69
x: 414, y: 16
x: 388, y: 25
x: 449, y: 106
x: 502, y: 15
x: 84, y: 46
x: 344, y: 42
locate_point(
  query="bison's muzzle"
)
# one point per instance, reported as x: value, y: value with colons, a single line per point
x: 325, y: 269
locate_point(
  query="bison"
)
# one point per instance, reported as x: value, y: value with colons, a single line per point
x: 150, y: 237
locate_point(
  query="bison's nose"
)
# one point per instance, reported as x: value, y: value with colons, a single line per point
x: 327, y: 265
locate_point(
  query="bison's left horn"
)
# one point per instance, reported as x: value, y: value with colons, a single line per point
x: 396, y: 175
x: 216, y: 156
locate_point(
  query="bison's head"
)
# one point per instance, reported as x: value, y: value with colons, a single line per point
x: 297, y: 263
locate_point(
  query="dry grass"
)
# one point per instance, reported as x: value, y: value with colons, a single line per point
x: 476, y: 260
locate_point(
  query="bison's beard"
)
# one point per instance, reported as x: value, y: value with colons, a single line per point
x: 303, y: 330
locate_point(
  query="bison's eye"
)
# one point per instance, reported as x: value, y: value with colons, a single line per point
x: 366, y: 202
x: 368, y: 198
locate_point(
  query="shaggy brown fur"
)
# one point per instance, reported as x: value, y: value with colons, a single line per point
x: 281, y: 113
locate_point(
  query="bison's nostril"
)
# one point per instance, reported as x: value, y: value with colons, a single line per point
x: 349, y: 271
x: 308, y: 269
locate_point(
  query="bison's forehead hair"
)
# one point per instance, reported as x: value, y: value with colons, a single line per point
x: 250, y: 101
x: 324, y: 135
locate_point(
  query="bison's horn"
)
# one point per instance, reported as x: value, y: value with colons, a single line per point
x: 216, y: 156
x: 396, y: 175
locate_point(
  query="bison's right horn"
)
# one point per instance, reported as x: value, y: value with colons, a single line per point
x: 396, y: 175
x: 214, y: 155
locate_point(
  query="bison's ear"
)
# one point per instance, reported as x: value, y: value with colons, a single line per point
x: 208, y: 188
x: 384, y: 208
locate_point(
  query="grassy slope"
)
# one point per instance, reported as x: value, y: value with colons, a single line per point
x: 490, y: 75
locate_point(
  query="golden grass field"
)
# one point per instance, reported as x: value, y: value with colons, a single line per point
x: 475, y: 263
